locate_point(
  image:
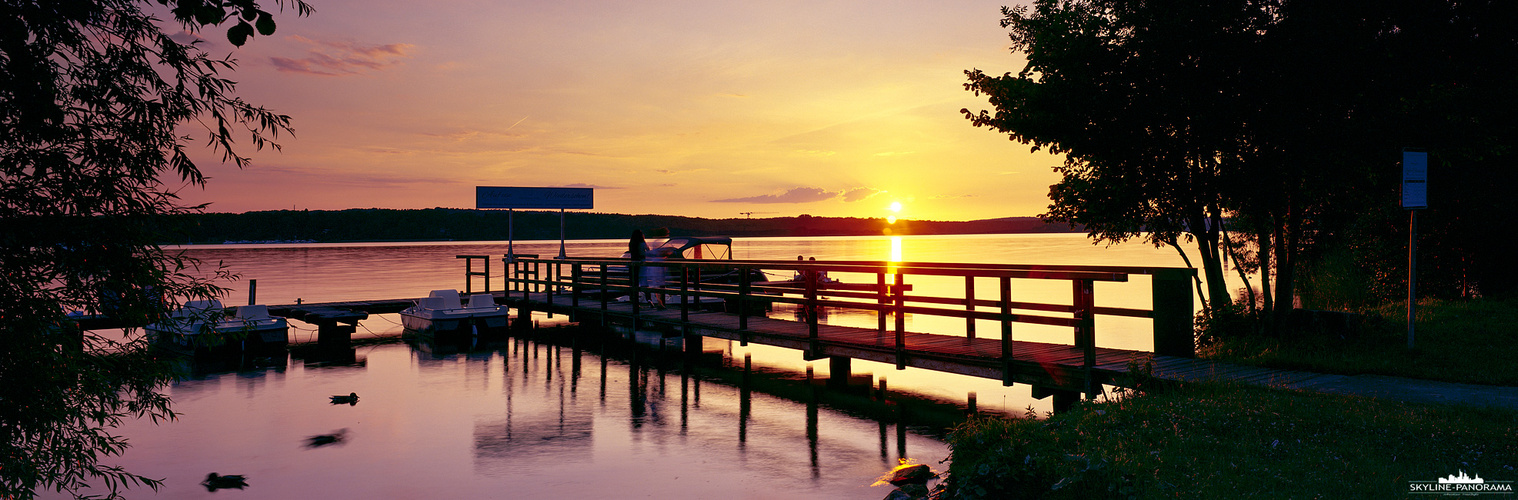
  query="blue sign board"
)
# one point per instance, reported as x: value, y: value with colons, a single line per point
x: 532, y: 197
x: 1414, y: 179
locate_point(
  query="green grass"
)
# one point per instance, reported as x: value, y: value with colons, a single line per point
x: 1456, y: 341
x: 1210, y: 441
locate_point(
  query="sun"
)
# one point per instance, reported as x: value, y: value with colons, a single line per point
x: 895, y: 208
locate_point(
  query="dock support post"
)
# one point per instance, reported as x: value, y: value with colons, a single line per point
x: 810, y: 275
x: 1006, y: 331
x: 970, y: 306
x: 334, y: 334
x: 1085, y: 332
x: 1173, y: 333
x: 1063, y: 399
x: 901, y: 321
x: 839, y: 370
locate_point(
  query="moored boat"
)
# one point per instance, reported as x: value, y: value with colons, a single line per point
x: 202, y: 327
x: 441, y: 312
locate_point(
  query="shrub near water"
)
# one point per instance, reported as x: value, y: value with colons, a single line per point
x: 1457, y: 341
x: 1229, y: 442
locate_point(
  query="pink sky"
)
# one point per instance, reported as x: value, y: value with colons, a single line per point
x: 695, y: 108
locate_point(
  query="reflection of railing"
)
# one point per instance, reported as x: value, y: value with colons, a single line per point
x: 604, y: 280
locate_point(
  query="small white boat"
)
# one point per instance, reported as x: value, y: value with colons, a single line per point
x: 442, y: 312
x: 202, y: 326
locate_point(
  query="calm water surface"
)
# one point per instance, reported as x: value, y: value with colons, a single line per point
x: 520, y: 419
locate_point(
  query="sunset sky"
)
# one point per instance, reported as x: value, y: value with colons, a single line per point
x: 694, y: 108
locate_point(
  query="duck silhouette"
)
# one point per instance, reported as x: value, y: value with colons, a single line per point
x: 321, y: 440
x: 350, y: 400
x: 214, y: 482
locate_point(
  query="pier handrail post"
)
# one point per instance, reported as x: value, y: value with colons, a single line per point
x: 810, y: 275
x: 1085, y: 331
x: 881, y: 298
x: 1006, y: 330
x: 553, y: 271
x: 970, y: 306
x: 605, y: 294
x: 901, y: 320
x: 635, y: 294
x: 684, y: 297
x: 1172, y: 310
x: 743, y: 288
x: 576, y: 276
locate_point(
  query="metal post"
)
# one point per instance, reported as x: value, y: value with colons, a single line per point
x: 252, y: 292
x: 1412, y: 273
x: 561, y: 234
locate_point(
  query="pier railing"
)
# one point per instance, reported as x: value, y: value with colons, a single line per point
x: 738, y: 286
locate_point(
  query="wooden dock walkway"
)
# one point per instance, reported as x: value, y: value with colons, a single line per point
x: 1050, y: 367
x: 586, y: 290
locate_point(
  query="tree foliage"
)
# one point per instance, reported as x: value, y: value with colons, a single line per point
x: 92, y: 95
x: 1265, y: 132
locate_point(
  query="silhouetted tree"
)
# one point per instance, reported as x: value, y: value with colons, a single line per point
x: 1262, y: 131
x: 92, y: 95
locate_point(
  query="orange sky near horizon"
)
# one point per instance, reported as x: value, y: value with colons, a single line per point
x: 704, y: 109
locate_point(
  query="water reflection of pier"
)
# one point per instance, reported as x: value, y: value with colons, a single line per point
x: 665, y: 395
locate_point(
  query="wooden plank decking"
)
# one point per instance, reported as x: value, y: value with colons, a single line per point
x: 1056, y: 366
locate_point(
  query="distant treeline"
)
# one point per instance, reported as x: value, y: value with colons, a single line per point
x: 481, y: 225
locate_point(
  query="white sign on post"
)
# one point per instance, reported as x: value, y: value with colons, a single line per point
x: 1414, y: 179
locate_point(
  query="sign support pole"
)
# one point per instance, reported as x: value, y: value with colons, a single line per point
x: 1414, y: 197
x: 1412, y: 273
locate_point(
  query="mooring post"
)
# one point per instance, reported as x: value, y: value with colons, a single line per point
x: 1172, y: 310
x: 252, y: 292
x: 970, y: 404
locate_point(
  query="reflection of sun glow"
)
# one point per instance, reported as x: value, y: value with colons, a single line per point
x: 895, y: 249
x: 890, y: 219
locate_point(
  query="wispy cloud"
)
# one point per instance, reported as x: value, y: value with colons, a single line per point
x: 795, y: 195
x: 330, y: 58
x: 858, y: 194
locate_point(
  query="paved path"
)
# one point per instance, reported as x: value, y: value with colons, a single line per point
x: 1418, y: 391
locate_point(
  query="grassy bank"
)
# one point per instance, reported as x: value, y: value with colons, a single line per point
x: 1457, y: 341
x: 1230, y: 442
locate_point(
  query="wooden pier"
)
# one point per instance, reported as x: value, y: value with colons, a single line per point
x: 591, y: 291
x: 587, y: 290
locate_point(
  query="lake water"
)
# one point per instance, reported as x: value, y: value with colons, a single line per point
x: 582, y: 419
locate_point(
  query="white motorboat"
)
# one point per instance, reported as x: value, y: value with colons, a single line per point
x: 203, y: 325
x: 442, y: 311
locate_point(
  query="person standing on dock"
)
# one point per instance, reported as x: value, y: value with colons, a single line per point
x: 637, y: 251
